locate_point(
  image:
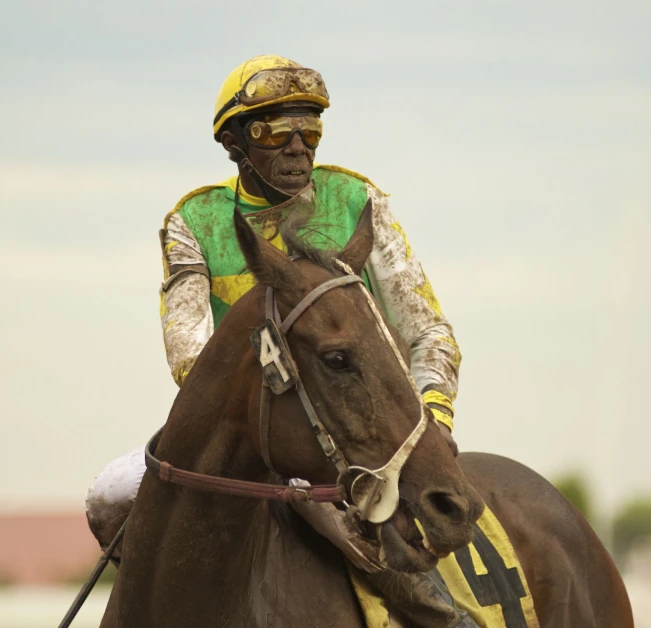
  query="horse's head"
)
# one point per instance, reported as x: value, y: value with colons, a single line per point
x: 353, y: 371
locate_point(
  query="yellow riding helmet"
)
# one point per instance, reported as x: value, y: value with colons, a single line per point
x: 264, y: 81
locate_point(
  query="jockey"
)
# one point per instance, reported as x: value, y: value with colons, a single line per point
x: 267, y: 118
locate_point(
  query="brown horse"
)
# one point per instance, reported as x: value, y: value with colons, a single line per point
x: 197, y: 559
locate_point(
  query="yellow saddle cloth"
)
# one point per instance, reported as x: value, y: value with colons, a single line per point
x: 485, y: 579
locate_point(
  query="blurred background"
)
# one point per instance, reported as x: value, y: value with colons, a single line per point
x: 515, y: 140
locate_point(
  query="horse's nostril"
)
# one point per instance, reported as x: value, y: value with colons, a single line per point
x: 448, y: 505
x: 442, y: 503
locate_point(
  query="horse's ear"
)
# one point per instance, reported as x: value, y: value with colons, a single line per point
x: 270, y: 266
x: 360, y: 245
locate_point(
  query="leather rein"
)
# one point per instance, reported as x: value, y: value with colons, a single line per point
x: 227, y: 486
x: 374, y: 492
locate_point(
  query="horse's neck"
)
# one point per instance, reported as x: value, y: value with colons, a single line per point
x: 243, y: 560
x: 207, y: 430
x: 297, y: 577
x: 233, y: 561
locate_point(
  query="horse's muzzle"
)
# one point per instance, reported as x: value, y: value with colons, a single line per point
x: 447, y: 517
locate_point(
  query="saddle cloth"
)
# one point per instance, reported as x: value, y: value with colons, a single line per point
x: 485, y: 579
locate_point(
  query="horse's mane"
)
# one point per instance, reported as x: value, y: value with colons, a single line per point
x: 309, y: 241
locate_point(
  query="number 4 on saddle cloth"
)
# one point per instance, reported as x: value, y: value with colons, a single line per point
x: 485, y: 579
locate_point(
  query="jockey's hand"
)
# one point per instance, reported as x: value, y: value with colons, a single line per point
x: 332, y: 523
x: 447, y: 434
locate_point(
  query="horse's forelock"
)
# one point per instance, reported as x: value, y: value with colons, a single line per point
x: 300, y: 235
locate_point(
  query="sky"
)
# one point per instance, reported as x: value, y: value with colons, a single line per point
x: 514, y: 138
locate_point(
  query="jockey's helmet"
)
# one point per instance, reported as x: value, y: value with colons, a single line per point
x: 265, y: 81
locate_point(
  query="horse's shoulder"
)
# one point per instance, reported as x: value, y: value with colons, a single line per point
x: 526, y: 504
x: 491, y: 472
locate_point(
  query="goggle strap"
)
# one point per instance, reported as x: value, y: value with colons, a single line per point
x: 225, y: 108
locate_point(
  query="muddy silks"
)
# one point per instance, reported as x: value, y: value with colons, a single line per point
x: 334, y: 204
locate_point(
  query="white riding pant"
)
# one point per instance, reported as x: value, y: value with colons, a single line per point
x: 115, y: 488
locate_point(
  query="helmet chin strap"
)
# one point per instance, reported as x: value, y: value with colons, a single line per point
x: 274, y: 195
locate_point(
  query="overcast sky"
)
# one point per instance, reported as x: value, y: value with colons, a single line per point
x: 514, y: 138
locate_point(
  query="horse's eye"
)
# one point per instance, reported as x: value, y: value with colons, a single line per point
x: 335, y: 360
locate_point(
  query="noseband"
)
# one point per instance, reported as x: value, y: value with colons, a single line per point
x: 373, y: 492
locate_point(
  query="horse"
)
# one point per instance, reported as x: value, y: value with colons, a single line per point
x: 196, y: 558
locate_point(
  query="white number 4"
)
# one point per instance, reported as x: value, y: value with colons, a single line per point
x: 270, y: 353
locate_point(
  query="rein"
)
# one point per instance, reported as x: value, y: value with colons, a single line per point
x: 228, y: 486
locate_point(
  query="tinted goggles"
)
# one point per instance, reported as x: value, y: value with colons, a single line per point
x: 277, y: 131
x: 281, y: 82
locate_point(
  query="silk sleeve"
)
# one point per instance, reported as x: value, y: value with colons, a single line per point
x: 407, y: 298
x: 185, y: 310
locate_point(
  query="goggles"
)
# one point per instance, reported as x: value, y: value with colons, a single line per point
x: 277, y: 85
x: 277, y: 131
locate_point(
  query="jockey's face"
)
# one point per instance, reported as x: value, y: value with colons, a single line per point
x: 288, y: 168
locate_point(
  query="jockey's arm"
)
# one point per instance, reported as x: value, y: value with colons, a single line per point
x: 185, y: 310
x: 407, y: 298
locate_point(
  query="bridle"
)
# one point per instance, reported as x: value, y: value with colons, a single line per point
x: 373, y: 492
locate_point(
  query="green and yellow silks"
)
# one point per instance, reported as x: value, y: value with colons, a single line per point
x: 208, y: 213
